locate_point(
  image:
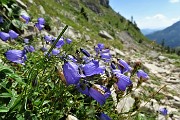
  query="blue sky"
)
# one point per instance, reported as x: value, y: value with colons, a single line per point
x: 152, y: 14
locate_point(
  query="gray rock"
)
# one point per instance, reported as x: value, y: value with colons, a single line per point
x: 119, y: 52
x: 70, y: 117
x: 31, y: 1
x: 41, y: 9
x: 104, y: 3
x: 153, y: 54
x: 125, y: 104
x: 87, y: 37
x: 105, y: 34
x: 176, y: 70
x: 161, y: 58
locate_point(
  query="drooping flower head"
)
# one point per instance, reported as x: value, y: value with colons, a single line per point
x: 85, y: 52
x: 123, y: 81
x: 68, y: 41
x: 41, y: 21
x: 48, y: 38
x: 39, y: 26
x: 100, y: 46
x: 71, y: 73
x: 142, y: 75
x: 17, y: 56
x: 29, y: 48
x: 26, y: 18
x: 99, y: 93
x: 44, y: 48
x: 4, y: 36
x: 104, y: 117
x: 13, y: 34
x: 93, y: 68
x: 26, y: 40
x: 72, y: 58
x: 123, y: 66
x: 163, y: 111
x: 55, y: 51
x: 60, y: 43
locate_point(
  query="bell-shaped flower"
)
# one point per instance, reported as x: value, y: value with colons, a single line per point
x: 71, y: 73
x: 60, y: 43
x: 123, y: 81
x: 17, y: 56
x: 26, y: 18
x: 26, y: 40
x: 68, y: 41
x: 39, y: 26
x: 142, y: 74
x: 105, y: 56
x: 113, y: 66
x: 100, y: 46
x: 123, y: 66
x: 4, y: 36
x: 85, y: 52
x: 105, y: 51
x: 13, y: 34
x: 86, y: 59
x: 48, y: 38
x: 97, y: 96
x: 55, y: 51
x: 163, y: 111
x: 41, y: 21
x: 93, y: 68
x: 103, y: 116
x: 99, y: 93
x: 1, y: 19
x: 44, y: 48
x: 29, y: 48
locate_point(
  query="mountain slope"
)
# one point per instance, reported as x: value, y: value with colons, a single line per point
x: 170, y: 35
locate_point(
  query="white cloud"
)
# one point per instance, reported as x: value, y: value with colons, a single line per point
x: 173, y: 1
x: 157, y: 21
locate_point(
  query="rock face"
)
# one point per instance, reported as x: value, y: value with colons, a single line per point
x: 104, y: 3
x: 106, y: 35
x: 94, y: 5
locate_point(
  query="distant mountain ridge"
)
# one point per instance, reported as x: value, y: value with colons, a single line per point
x: 170, y: 35
x: 149, y: 31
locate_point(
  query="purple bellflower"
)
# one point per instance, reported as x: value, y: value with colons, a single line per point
x: 25, y: 18
x: 100, y: 46
x: 93, y: 68
x: 17, y: 56
x: 13, y: 34
x: 26, y: 40
x: 123, y: 81
x: 142, y: 74
x: 99, y: 93
x: 83, y: 88
x: 41, y: 21
x: 123, y: 66
x: 163, y: 111
x: 85, y: 52
x: 44, y: 48
x: 104, y: 117
x: 55, y: 51
x: 29, y: 48
x: 105, y: 56
x: 39, y: 26
x: 68, y: 41
x: 4, y: 36
x: 60, y: 43
x: 48, y: 38
x: 71, y: 73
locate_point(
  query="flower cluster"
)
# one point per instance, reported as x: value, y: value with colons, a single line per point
x: 81, y: 71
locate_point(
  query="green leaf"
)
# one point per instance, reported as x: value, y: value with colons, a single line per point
x: 4, y: 109
x: 5, y: 95
x: 16, y: 78
x: 18, y: 24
